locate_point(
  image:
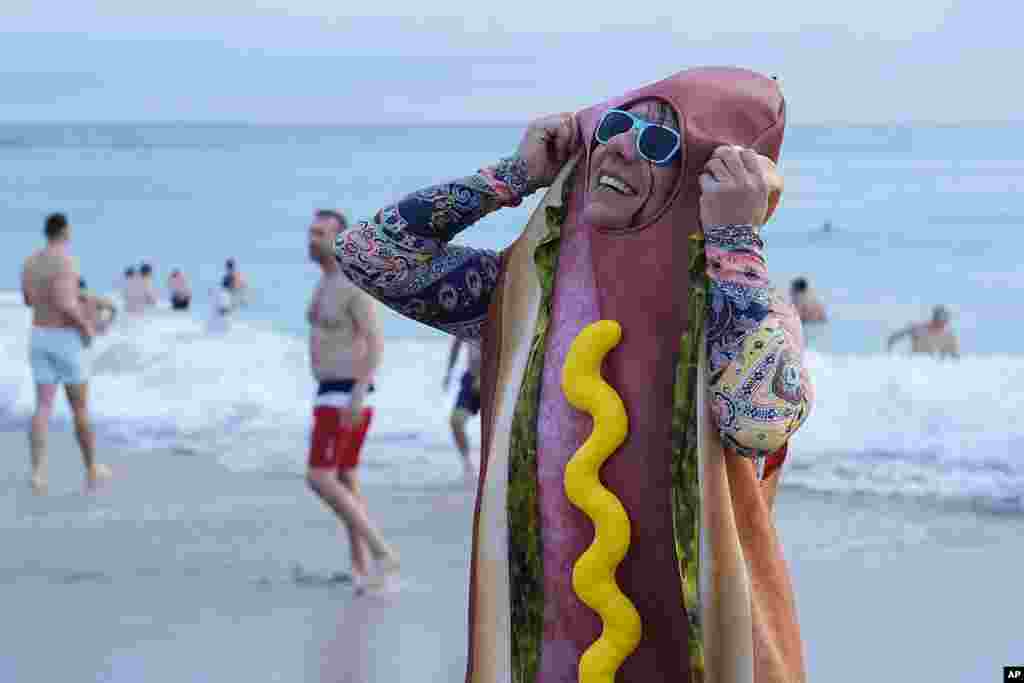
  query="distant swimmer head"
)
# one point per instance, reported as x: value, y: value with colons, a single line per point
x: 129, y: 271
x: 230, y: 265
x: 57, y: 227
x: 940, y: 314
x: 81, y: 283
x: 227, y: 282
x: 799, y: 285
x: 146, y: 270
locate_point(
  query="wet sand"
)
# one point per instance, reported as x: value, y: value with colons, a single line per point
x: 180, y: 570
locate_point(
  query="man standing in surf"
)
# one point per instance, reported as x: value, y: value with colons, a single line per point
x: 933, y: 337
x: 345, y: 347
x: 467, y: 403
x: 652, y: 220
x: 61, y: 332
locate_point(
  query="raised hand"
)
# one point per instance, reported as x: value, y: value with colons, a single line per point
x: 547, y: 144
x: 738, y: 187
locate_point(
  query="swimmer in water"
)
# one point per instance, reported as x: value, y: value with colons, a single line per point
x: 129, y: 276
x: 807, y: 304
x: 222, y: 305
x: 146, y: 275
x: 138, y: 294
x: 933, y: 337
x: 181, y: 293
x: 61, y: 332
x: 239, y: 285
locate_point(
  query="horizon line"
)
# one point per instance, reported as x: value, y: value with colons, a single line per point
x: 473, y: 123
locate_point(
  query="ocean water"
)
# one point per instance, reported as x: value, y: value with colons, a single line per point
x: 921, y: 216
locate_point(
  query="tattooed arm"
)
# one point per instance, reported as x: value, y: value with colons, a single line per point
x: 759, y: 388
x: 402, y: 258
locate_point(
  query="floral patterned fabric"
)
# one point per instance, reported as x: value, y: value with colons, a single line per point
x: 402, y: 257
x: 759, y: 390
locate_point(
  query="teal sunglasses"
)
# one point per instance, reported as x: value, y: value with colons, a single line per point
x: 656, y: 143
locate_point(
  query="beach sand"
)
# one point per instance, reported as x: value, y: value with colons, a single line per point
x: 180, y: 570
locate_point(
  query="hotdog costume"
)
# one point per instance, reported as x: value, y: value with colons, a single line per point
x: 709, y: 370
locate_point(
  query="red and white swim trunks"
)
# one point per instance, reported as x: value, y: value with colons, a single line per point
x: 333, y: 445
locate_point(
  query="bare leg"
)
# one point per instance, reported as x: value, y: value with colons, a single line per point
x: 78, y: 395
x: 45, y: 395
x: 458, y: 424
x: 360, y: 547
x: 350, y: 511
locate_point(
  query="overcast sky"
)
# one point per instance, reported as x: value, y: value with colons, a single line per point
x: 870, y: 61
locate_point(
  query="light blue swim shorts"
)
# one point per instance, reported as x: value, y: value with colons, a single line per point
x: 58, y: 356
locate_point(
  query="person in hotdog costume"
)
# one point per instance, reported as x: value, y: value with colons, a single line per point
x: 652, y: 219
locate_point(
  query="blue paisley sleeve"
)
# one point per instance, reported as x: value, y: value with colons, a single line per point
x: 402, y: 257
x: 759, y: 389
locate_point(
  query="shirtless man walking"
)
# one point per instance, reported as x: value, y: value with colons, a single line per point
x: 61, y: 331
x: 468, y: 402
x: 933, y: 337
x: 345, y: 349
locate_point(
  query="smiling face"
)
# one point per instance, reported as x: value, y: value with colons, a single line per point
x: 624, y: 189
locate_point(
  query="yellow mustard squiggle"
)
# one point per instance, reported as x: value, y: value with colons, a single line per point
x: 593, y: 576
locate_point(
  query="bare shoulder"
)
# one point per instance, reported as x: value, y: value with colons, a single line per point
x: 32, y: 259
x: 55, y: 261
x: 780, y: 304
x: 787, y: 316
x: 366, y: 305
x: 357, y: 296
x: 65, y: 264
x: 365, y: 297
x: 784, y: 309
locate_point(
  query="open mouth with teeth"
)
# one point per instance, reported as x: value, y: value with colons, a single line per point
x: 615, y: 185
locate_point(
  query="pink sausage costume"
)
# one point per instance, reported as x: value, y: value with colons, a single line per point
x: 709, y: 369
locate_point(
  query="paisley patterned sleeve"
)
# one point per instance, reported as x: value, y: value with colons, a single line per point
x: 759, y: 389
x: 402, y: 258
